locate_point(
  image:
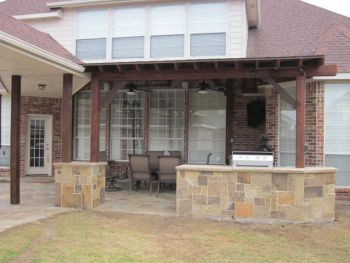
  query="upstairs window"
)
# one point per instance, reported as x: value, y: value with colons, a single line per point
x: 168, y: 30
x: 129, y: 33
x: 92, y: 34
x: 208, y: 28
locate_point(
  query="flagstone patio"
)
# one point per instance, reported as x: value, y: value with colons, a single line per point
x: 37, y: 202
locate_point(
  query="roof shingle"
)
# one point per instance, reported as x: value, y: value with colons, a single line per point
x: 30, y: 35
x: 25, y: 7
x: 295, y: 28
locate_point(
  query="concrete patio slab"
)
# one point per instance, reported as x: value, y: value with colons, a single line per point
x: 37, y: 202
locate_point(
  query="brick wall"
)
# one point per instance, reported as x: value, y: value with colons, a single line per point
x: 272, y: 111
x: 245, y: 138
x: 38, y: 105
x: 314, y: 139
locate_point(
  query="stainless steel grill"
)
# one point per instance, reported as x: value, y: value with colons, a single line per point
x: 252, y: 159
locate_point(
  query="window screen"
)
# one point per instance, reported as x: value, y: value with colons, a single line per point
x: 166, y: 128
x: 287, y: 133
x: 207, y: 127
x: 127, y: 117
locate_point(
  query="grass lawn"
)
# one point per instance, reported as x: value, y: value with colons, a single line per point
x: 96, y: 237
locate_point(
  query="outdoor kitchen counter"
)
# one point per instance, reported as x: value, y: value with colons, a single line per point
x: 254, y: 194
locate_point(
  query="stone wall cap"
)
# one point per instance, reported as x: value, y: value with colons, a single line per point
x: 89, y: 164
x: 223, y: 168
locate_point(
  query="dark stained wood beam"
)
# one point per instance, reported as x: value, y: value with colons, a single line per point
x: 300, y: 122
x: 283, y: 94
x: 95, y: 121
x: 223, y: 73
x: 229, y: 119
x: 15, y: 139
x: 119, y: 67
x: 67, y: 118
x: 107, y: 99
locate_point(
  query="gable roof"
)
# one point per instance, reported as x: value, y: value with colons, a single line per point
x: 14, y: 30
x: 25, y: 7
x: 295, y: 28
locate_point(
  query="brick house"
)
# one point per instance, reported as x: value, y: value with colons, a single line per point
x: 80, y: 77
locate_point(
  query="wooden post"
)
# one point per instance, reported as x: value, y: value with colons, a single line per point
x: 229, y: 119
x: 15, y: 139
x: 67, y: 121
x: 300, y: 122
x: 95, y: 121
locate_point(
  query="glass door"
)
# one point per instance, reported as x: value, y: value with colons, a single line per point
x: 39, y: 136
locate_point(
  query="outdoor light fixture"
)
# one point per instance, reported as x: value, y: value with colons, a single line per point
x: 203, y: 88
x: 42, y: 86
x: 131, y: 89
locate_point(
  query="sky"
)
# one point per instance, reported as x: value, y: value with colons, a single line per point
x: 338, y: 6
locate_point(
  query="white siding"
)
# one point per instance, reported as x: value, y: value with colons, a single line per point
x: 238, y: 29
x: 63, y: 30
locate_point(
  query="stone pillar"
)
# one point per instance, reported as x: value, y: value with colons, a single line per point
x: 80, y: 185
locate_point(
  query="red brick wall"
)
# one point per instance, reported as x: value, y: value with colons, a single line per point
x: 343, y: 194
x: 314, y: 155
x: 272, y: 111
x: 39, y: 105
x: 245, y: 138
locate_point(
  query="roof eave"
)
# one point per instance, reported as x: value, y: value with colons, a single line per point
x: 42, y: 54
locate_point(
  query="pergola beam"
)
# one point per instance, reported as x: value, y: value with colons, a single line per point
x: 111, y: 94
x: 283, y: 94
x: 223, y: 73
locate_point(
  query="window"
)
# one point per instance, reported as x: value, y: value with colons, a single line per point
x: 166, y: 129
x: 92, y: 34
x: 168, y: 30
x: 207, y: 127
x: 127, y: 125
x: 287, y: 131
x: 129, y: 32
x: 337, y: 127
x: 5, y: 130
x: 82, y: 129
x: 208, y: 28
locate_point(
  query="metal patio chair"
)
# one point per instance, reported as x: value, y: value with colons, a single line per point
x: 167, y: 172
x: 140, y: 170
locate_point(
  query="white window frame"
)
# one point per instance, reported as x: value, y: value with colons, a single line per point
x: 147, y: 39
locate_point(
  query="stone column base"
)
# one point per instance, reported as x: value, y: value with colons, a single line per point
x: 79, y: 185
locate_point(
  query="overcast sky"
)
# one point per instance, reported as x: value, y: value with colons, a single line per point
x: 339, y: 6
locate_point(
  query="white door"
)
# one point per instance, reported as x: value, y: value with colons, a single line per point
x: 39, y: 145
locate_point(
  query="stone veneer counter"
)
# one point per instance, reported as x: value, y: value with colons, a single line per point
x: 80, y: 184
x: 265, y: 195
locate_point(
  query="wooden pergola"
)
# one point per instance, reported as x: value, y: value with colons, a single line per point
x: 270, y: 70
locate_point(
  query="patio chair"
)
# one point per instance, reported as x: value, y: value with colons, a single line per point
x: 111, y: 178
x: 176, y: 153
x: 153, y: 159
x: 140, y: 170
x: 167, y: 172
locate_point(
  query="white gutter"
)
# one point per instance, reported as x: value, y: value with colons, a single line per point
x: 54, y: 14
x: 41, y: 54
x: 83, y: 3
x: 339, y: 76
